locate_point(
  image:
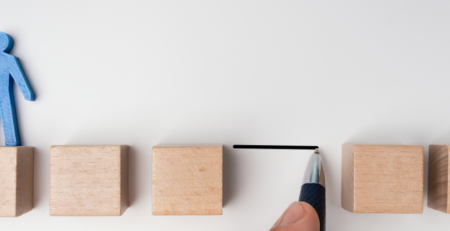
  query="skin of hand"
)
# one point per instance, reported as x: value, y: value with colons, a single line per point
x: 299, y: 216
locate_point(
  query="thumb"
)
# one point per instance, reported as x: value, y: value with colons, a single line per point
x: 299, y: 216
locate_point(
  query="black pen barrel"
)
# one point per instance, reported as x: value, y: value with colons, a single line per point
x: 313, y: 188
x: 314, y: 194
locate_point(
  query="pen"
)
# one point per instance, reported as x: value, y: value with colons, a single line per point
x: 313, y: 187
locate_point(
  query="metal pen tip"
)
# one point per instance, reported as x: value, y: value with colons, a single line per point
x: 314, y: 170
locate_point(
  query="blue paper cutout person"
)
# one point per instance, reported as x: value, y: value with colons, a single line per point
x: 11, y: 71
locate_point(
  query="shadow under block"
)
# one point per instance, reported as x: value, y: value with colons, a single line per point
x: 438, y: 178
x: 187, y: 180
x: 88, y: 180
x: 382, y: 178
x: 16, y: 180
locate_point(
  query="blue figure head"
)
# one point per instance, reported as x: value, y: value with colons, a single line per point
x: 6, y: 42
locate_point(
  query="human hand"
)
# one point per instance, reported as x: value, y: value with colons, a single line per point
x: 299, y: 216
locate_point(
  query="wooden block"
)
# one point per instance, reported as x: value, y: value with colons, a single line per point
x: 382, y: 178
x: 438, y: 178
x: 16, y: 180
x: 187, y: 180
x: 88, y: 180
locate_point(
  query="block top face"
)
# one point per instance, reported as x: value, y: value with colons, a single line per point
x: 188, y: 146
x: 85, y: 180
x: 388, y: 179
x: 187, y: 180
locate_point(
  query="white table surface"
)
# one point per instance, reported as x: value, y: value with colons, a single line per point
x: 251, y: 72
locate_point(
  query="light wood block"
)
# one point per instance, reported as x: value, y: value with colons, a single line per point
x: 187, y: 180
x: 438, y: 178
x: 16, y: 180
x: 88, y: 180
x: 382, y: 178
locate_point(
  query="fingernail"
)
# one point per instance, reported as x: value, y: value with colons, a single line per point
x: 293, y: 213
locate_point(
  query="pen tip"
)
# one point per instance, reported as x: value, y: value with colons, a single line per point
x: 316, y: 150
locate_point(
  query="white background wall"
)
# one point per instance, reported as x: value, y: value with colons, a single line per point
x: 252, y: 72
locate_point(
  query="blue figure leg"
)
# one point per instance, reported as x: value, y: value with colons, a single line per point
x: 8, y: 111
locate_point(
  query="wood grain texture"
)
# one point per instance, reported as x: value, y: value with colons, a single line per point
x: 187, y: 180
x: 16, y: 180
x: 382, y: 178
x: 347, y: 188
x: 438, y: 178
x: 88, y: 180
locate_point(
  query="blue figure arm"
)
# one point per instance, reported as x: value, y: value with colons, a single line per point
x: 17, y: 73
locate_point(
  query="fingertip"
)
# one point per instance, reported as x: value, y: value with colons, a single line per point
x: 308, y: 208
x: 310, y: 220
x: 293, y: 214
